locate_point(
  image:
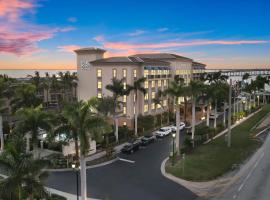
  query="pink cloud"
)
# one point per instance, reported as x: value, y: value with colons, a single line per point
x: 125, y: 46
x: 68, y: 48
x: 11, y: 9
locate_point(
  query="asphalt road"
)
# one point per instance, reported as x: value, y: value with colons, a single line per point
x: 121, y: 180
x: 255, y: 184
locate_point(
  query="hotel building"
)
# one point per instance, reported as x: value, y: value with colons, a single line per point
x: 95, y: 72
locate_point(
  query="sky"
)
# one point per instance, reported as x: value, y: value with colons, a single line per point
x: 42, y: 34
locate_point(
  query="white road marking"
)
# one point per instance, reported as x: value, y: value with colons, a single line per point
x: 126, y: 160
x: 234, y: 196
x: 249, y: 174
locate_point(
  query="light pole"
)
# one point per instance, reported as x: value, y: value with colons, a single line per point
x: 77, y: 178
x: 173, y: 137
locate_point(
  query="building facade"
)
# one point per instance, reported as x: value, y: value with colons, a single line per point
x: 95, y: 72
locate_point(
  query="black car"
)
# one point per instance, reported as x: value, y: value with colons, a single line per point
x: 132, y: 146
x: 147, y: 139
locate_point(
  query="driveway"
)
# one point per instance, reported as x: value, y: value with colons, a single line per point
x: 122, y: 180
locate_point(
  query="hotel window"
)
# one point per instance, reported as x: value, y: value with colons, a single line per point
x: 158, y: 106
x: 153, y: 106
x: 124, y: 123
x: 125, y: 98
x: 159, y: 83
x: 145, y: 84
x: 146, y: 108
x: 134, y: 110
x: 124, y: 110
x: 124, y: 73
x: 99, y: 73
x: 134, y: 97
x: 125, y: 85
x: 164, y: 102
x: 99, y: 95
x: 99, y: 85
x: 146, y: 96
x: 153, y: 84
x: 165, y: 83
x: 145, y: 73
x: 135, y: 73
x: 114, y: 73
x: 152, y: 72
x: 153, y: 95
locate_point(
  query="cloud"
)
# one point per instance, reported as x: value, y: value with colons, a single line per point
x: 68, y: 48
x: 162, y: 29
x: 99, y: 38
x: 72, y: 19
x: 12, y: 9
x: 20, y: 37
x: 137, y: 33
x: 126, y: 46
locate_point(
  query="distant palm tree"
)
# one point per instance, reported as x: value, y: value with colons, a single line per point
x: 31, y: 121
x: 35, y: 79
x: 25, y: 176
x: 158, y: 101
x: 118, y: 90
x: 138, y: 86
x: 82, y: 123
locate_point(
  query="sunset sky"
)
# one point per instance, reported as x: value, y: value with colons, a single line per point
x: 42, y: 34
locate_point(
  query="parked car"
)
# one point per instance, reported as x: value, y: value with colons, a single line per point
x: 162, y: 132
x: 213, y: 116
x: 147, y: 139
x: 133, y: 145
x: 182, y: 126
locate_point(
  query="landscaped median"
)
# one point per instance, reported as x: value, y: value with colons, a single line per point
x: 214, y: 159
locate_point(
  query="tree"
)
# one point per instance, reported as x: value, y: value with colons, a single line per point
x: 136, y: 88
x: 25, y: 97
x: 118, y: 90
x: 31, y: 122
x: 67, y: 82
x: 158, y: 101
x: 82, y: 123
x: 175, y: 90
x: 195, y: 89
x: 25, y: 176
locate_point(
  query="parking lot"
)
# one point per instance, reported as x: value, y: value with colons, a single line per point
x: 122, y: 180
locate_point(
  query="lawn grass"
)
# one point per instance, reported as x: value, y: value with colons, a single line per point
x: 214, y: 159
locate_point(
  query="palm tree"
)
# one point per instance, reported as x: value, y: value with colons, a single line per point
x: 136, y: 88
x: 195, y: 89
x: 82, y: 123
x: 25, y: 97
x: 31, y: 122
x: 35, y: 79
x: 118, y: 90
x: 175, y: 90
x: 158, y: 101
x: 25, y: 176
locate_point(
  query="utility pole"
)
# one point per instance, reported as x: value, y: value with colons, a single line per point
x: 230, y: 114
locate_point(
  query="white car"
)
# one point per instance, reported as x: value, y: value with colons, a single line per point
x: 181, y: 127
x: 213, y: 116
x: 162, y: 132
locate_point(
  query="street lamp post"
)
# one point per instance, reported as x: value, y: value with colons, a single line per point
x: 77, y: 179
x: 173, y: 137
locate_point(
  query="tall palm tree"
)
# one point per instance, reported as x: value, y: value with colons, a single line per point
x: 25, y: 176
x: 31, y: 122
x: 82, y: 123
x: 35, y: 79
x: 118, y: 90
x: 136, y: 88
x: 175, y: 90
x: 195, y: 89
